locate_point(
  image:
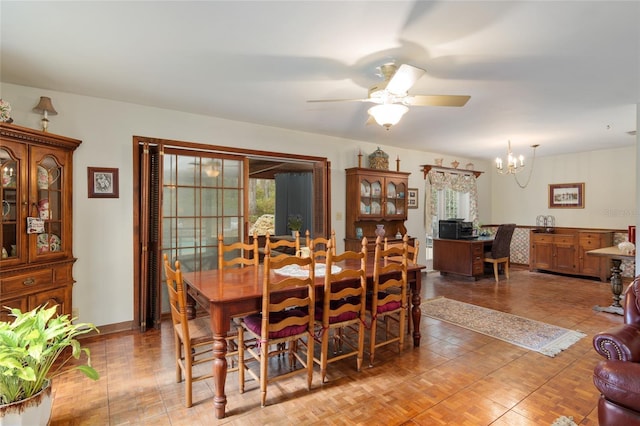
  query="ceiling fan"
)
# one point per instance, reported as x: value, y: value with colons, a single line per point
x: 392, y: 97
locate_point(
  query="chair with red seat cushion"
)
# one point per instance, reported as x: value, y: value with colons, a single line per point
x: 389, y: 297
x: 287, y: 317
x: 341, y: 313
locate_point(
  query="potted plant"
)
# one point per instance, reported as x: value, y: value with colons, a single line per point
x: 32, y: 352
x: 295, y: 223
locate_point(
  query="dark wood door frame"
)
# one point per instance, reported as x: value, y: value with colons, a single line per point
x: 320, y: 167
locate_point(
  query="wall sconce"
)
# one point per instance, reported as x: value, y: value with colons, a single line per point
x: 46, y: 108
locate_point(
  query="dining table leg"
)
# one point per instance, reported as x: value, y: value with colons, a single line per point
x: 416, y: 312
x: 220, y: 327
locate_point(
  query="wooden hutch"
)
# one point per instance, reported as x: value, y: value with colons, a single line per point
x: 36, y: 265
x: 375, y: 197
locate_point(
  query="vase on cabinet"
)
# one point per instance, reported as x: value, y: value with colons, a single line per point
x: 380, y: 231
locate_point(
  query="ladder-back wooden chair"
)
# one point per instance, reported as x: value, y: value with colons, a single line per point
x: 281, y: 321
x: 389, y: 298
x: 320, y: 245
x: 282, y: 247
x: 342, y: 309
x: 412, y: 251
x: 237, y: 254
x: 193, y: 338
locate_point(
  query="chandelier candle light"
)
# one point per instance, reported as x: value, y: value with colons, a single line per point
x: 514, y: 164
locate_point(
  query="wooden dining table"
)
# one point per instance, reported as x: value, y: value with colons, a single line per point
x: 234, y: 292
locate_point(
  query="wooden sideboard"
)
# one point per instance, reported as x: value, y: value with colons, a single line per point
x: 565, y: 251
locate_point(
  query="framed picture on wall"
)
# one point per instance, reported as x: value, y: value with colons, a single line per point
x: 566, y: 196
x: 103, y: 182
x: 412, y: 198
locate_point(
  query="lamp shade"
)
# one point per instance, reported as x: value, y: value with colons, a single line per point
x: 388, y: 115
x: 45, y: 105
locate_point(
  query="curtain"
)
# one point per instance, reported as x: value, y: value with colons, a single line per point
x: 294, y: 196
x: 150, y: 264
x: 439, y: 180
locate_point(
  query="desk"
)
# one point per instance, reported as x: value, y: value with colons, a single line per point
x: 616, y: 257
x: 461, y: 257
x: 228, y: 293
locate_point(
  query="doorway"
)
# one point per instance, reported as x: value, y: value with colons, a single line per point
x: 186, y: 194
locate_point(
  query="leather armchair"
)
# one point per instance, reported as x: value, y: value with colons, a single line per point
x: 618, y: 376
x: 622, y: 342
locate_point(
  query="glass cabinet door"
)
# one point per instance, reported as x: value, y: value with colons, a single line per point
x: 11, y: 170
x: 396, y: 198
x: 370, y: 198
x: 48, y: 204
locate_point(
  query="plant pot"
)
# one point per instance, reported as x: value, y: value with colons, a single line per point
x: 34, y: 411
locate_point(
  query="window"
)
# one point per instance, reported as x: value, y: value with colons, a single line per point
x: 201, y: 198
x: 262, y: 206
x: 452, y: 204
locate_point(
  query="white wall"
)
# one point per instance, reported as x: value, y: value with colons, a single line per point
x: 610, y: 190
x: 103, y: 228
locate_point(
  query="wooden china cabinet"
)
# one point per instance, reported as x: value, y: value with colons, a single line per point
x: 375, y: 197
x: 36, y: 170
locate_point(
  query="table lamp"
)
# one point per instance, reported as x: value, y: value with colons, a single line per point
x: 46, y: 108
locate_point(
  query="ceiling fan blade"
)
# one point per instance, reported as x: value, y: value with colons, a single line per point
x: 404, y: 78
x: 437, y: 100
x: 341, y: 100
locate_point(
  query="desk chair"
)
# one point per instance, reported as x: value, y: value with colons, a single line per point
x: 342, y: 309
x: 501, y: 249
x: 281, y: 321
x: 320, y: 245
x: 193, y: 338
x: 389, y: 298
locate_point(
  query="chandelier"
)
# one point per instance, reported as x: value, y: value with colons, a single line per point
x: 514, y: 164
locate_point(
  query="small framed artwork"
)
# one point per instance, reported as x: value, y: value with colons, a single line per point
x: 566, y: 196
x: 412, y: 198
x: 103, y: 182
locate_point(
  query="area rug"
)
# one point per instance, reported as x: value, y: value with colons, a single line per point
x: 564, y: 421
x: 537, y: 336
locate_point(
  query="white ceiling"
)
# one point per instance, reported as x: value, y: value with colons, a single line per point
x: 562, y: 74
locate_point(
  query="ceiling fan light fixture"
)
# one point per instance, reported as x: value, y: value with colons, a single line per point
x: 388, y: 115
